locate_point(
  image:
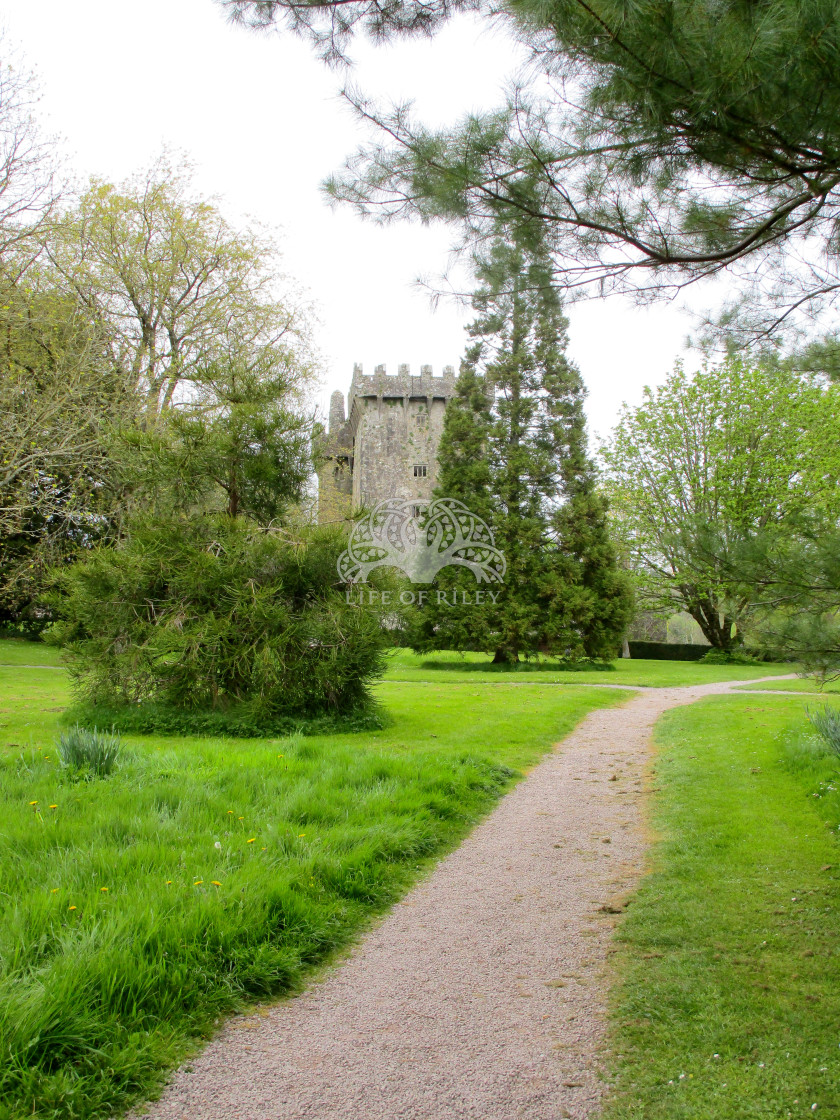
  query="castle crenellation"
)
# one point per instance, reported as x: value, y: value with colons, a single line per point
x: 400, y: 383
x: 385, y: 444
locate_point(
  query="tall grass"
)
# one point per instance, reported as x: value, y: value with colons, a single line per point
x: 826, y: 723
x: 144, y: 907
x: 88, y: 753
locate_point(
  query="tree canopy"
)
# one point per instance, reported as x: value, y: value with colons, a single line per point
x: 706, y: 464
x: 654, y: 143
x: 174, y: 287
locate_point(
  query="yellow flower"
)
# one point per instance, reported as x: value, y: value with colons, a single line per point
x: 230, y: 812
x: 215, y: 882
x: 104, y: 890
x: 46, y: 758
x: 33, y: 802
x: 240, y: 818
x: 54, y: 890
x: 169, y: 882
x: 53, y: 806
x: 198, y: 882
x: 301, y: 834
x: 262, y: 849
x: 251, y: 841
x: 72, y: 907
x: 280, y: 756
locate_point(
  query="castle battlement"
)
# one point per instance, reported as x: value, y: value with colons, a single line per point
x: 401, y: 382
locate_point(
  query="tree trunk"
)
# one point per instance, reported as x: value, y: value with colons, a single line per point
x: 505, y: 656
x: 716, y: 626
x: 625, y: 648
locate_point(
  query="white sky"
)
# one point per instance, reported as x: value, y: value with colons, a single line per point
x: 261, y: 119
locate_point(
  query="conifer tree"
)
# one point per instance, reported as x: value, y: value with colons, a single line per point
x: 513, y: 450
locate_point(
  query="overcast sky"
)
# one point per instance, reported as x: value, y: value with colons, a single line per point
x: 262, y: 121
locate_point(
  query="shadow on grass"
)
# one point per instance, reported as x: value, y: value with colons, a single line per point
x: 560, y: 666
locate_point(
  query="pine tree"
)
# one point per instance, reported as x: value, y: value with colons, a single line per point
x: 513, y: 450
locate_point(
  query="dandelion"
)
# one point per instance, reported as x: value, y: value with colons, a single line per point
x: 262, y: 849
x: 54, y: 890
x: 53, y: 806
x: 217, y: 846
x: 104, y: 890
x: 230, y: 812
x: 198, y: 882
x: 251, y: 841
x: 46, y: 758
x: 215, y: 882
x: 33, y: 802
x: 301, y: 834
x: 71, y: 907
x: 280, y: 756
x: 240, y: 818
x: 169, y: 882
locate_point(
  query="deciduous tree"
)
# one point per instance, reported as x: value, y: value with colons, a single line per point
x: 702, y: 466
x: 171, y: 284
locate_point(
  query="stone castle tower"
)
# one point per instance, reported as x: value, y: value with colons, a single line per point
x: 386, y: 445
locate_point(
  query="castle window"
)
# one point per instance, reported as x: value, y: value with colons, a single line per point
x: 420, y: 471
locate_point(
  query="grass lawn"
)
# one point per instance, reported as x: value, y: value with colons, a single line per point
x: 799, y: 685
x: 448, y: 667
x: 730, y: 951
x: 203, y: 874
x: 16, y: 651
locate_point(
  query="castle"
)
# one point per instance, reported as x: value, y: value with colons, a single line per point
x: 386, y: 445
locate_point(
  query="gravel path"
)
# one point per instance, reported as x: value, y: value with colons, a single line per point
x: 480, y: 996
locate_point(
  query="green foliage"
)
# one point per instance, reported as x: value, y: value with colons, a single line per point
x: 728, y: 657
x: 214, y: 613
x: 793, y: 575
x: 58, y: 391
x: 239, y: 446
x: 819, y: 356
x: 236, y: 722
x: 705, y: 463
x: 513, y: 450
x: 88, y: 753
x: 827, y: 724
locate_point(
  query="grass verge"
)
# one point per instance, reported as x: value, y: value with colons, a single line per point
x: 203, y: 874
x: 729, y: 1005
